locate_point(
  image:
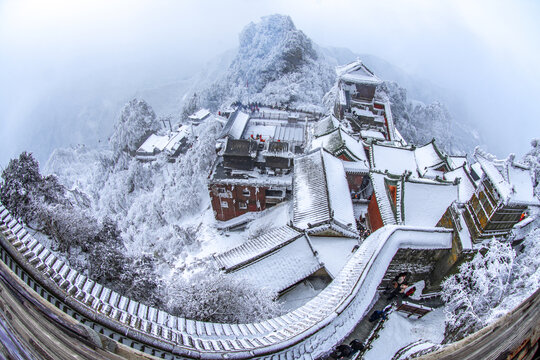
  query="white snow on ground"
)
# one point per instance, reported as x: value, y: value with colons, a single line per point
x: 298, y: 296
x: 522, y: 186
x: 274, y: 217
x: 333, y: 252
x: 400, y: 331
x: 419, y: 286
x: 216, y: 241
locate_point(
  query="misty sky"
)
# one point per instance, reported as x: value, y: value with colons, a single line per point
x: 59, y: 58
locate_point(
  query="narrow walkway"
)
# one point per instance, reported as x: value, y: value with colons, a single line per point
x: 364, y: 328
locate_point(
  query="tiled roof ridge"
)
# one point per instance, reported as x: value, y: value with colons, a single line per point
x: 264, y: 243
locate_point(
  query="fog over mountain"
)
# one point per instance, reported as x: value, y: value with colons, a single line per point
x: 67, y: 69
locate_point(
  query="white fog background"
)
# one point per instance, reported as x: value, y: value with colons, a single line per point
x: 67, y: 67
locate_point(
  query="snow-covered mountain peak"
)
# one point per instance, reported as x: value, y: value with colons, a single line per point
x: 275, y: 63
x: 277, y: 44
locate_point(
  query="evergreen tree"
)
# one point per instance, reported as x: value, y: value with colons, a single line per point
x: 135, y: 123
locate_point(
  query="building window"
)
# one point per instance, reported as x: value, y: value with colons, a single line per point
x: 224, y: 204
x: 246, y: 192
x: 221, y: 190
x: 242, y: 205
x: 274, y: 193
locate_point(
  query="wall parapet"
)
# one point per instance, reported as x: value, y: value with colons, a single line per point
x: 309, y: 331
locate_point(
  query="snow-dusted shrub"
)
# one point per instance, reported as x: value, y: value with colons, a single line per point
x: 478, y: 287
x: 490, y: 285
x: 68, y: 226
x: 213, y: 296
x: 138, y: 281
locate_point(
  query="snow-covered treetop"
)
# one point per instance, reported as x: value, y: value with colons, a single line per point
x: 135, y: 123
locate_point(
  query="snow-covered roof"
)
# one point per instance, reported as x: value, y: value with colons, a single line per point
x: 425, y: 202
x: 169, y: 143
x: 278, y: 149
x: 422, y: 161
x: 220, y: 175
x: 310, y: 196
x: 153, y: 143
x: 235, y: 125
x: 355, y: 167
x: 338, y: 191
x: 356, y: 72
x: 325, y: 125
x: 289, y: 133
x: 274, y: 129
x: 428, y: 157
x: 321, y: 193
x: 457, y: 160
x: 397, y: 160
x: 283, y: 267
x: 333, y: 252
x: 476, y: 172
x: 466, y: 184
x: 235, y: 147
x: 176, y: 138
x: 338, y: 142
x: 256, y: 248
x: 512, y: 181
x: 200, y: 115
x: 370, y: 133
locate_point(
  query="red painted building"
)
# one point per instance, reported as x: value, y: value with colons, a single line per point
x: 374, y: 219
x: 241, y: 181
x: 230, y: 201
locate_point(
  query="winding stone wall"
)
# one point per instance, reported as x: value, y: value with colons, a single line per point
x: 307, y: 332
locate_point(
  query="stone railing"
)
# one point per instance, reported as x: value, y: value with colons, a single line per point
x: 307, y: 332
